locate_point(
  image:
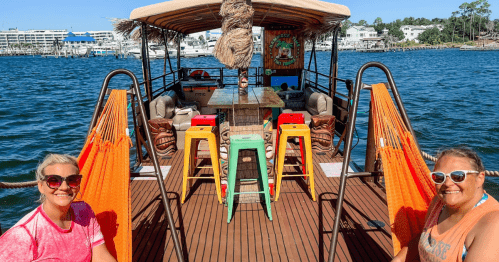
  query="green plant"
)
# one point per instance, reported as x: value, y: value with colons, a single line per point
x: 284, y: 45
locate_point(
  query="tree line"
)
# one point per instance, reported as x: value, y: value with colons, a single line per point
x: 465, y: 24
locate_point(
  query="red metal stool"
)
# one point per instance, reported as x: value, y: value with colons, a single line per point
x: 291, y: 118
x: 206, y: 120
x: 203, y: 120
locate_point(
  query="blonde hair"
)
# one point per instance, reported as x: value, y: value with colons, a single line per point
x: 52, y: 159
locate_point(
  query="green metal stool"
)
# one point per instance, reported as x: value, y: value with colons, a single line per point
x: 239, y: 142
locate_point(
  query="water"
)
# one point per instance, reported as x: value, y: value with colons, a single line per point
x: 46, y: 106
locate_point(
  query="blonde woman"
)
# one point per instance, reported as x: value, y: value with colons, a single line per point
x: 58, y: 229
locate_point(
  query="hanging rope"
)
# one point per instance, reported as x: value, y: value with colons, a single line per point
x: 105, y: 166
x: 234, y: 48
x: 409, y: 189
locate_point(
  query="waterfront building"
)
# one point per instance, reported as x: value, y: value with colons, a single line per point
x: 46, y: 38
x: 355, y: 34
x: 411, y: 32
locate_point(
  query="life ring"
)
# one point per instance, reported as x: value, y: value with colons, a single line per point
x: 199, y: 74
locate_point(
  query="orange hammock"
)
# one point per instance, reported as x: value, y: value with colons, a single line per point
x: 105, y: 166
x: 409, y: 189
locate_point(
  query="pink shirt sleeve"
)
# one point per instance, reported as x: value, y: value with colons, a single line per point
x: 17, y: 244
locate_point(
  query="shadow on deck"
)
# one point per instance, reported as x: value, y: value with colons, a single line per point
x: 301, y: 229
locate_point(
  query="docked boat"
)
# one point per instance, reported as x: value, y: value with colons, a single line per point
x: 301, y: 228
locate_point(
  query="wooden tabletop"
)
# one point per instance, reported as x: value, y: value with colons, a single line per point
x: 257, y: 97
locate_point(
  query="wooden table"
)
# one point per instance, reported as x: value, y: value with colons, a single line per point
x: 240, y: 115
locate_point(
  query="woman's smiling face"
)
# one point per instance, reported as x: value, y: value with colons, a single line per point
x: 64, y: 195
x: 457, y: 194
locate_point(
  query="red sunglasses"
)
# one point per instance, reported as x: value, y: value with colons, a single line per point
x: 55, y: 181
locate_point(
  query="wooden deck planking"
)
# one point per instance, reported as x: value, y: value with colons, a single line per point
x: 294, y: 234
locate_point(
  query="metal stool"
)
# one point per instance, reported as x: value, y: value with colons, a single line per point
x: 291, y: 118
x: 201, y: 132
x: 286, y: 131
x: 240, y: 142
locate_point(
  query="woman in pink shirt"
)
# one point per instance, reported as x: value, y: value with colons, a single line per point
x: 57, y: 230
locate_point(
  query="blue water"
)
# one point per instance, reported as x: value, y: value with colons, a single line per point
x: 46, y: 105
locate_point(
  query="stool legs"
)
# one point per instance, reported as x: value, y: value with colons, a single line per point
x: 280, y: 164
x: 310, y: 164
x: 307, y: 164
x: 187, y: 165
x: 214, y: 153
x: 262, y: 163
x: 262, y: 178
x: 231, y: 179
x: 190, y: 160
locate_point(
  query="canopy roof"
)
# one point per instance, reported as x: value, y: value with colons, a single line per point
x: 79, y: 39
x: 188, y: 16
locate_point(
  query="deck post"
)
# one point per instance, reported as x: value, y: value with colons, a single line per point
x: 333, y: 68
x: 145, y: 65
x: 178, y: 57
x: 165, y: 39
x: 370, y: 148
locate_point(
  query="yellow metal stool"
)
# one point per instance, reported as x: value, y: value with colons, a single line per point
x: 201, y: 132
x: 286, y: 131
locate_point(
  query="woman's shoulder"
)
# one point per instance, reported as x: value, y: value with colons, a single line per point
x: 28, y: 217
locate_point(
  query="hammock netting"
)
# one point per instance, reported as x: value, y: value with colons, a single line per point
x: 105, y: 166
x: 409, y: 188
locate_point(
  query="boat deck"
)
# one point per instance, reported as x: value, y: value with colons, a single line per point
x: 301, y: 229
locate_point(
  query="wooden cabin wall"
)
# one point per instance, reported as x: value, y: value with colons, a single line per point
x: 273, y: 64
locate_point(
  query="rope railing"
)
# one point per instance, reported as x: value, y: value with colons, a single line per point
x: 434, y: 159
x: 18, y: 184
x: 33, y: 183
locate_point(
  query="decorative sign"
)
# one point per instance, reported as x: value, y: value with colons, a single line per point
x: 284, y: 49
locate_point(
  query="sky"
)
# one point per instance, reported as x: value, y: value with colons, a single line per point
x: 93, y: 15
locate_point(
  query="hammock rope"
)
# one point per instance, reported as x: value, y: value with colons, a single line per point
x: 105, y: 166
x: 409, y: 189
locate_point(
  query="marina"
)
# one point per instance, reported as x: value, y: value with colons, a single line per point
x: 300, y: 224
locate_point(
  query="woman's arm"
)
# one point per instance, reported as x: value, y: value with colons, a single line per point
x: 409, y: 252
x: 100, y: 253
x: 485, y: 245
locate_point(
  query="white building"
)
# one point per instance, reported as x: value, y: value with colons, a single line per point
x: 355, y: 34
x: 46, y: 38
x: 411, y: 32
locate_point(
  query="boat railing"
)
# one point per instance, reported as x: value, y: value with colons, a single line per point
x: 228, y: 77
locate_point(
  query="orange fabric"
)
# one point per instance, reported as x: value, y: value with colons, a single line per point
x: 448, y: 246
x: 409, y: 189
x: 105, y: 165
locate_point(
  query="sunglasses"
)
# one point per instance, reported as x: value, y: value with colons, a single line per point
x: 457, y: 176
x: 55, y: 181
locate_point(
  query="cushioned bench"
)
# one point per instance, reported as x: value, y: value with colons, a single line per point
x: 181, y: 112
x: 315, y: 103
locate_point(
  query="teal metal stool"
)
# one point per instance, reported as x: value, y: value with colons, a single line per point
x: 239, y: 142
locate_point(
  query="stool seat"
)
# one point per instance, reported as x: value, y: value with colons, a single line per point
x: 240, y: 142
x: 209, y: 133
x: 204, y: 120
x: 294, y: 130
